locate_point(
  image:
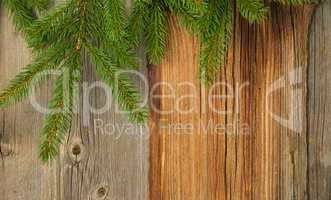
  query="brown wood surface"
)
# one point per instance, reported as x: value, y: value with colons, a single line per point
x: 266, y: 161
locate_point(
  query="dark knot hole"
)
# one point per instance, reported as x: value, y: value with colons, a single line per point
x: 76, y: 150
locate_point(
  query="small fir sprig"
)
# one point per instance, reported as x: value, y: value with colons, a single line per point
x: 215, y: 30
x: 149, y: 18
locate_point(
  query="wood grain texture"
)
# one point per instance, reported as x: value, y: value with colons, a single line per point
x: 246, y: 154
x: 319, y: 106
x: 177, y: 155
x: 104, y: 157
x: 21, y: 174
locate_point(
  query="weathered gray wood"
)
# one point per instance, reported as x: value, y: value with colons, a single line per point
x: 21, y: 174
x: 319, y: 107
x: 91, y: 165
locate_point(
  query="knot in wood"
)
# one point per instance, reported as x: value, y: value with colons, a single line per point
x: 5, y: 150
x: 76, y: 150
x: 101, y: 192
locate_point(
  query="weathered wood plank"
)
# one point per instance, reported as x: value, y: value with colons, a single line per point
x: 177, y: 169
x: 247, y: 154
x: 21, y: 173
x: 105, y: 156
x: 319, y: 106
x: 114, y: 152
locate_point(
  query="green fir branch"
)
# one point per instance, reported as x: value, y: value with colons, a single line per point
x: 156, y: 32
x: 40, y: 5
x: 55, y: 27
x: 116, y: 41
x: 126, y: 94
x: 216, y: 29
x: 115, y: 17
x: 136, y: 25
x: 58, y: 120
x: 188, y: 12
x: 21, y: 13
x: 22, y: 84
x: 252, y: 10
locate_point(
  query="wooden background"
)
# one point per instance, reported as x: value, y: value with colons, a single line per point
x: 269, y: 161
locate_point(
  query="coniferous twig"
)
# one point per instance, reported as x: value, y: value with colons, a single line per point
x: 58, y: 120
x: 49, y: 29
x: 117, y: 39
x: 20, y: 86
x: 189, y: 12
x: 215, y: 27
x: 149, y: 18
x: 126, y: 93
x: 137, y: 22
x: 39, y: 5
x: 252, y: 10
x: 21, y: 13
x: 156, y: 32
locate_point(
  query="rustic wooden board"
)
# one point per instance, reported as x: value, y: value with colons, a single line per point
x: 110, y: 164
x: 267, y: 160
x: 22, y: 176
x: 319, y: 106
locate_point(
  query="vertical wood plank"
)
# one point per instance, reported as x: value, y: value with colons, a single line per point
x: 104, y: 157
x: 319, y: 107
x: 246, y: 154
x: 21, y: 173
x: 178, y: 154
